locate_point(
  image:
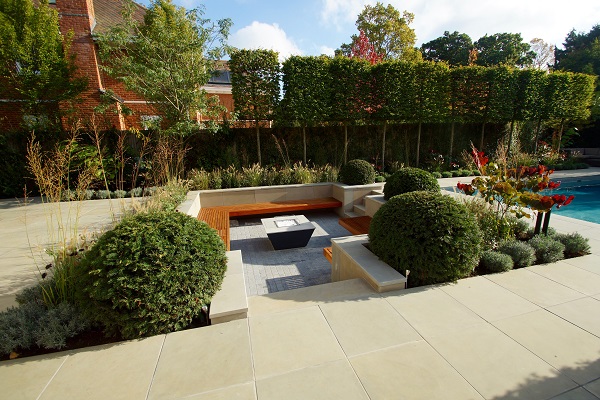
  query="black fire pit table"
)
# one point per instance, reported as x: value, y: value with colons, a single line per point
x: 288, y: 232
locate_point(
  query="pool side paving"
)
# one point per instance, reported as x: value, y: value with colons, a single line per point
x: 531, y: 333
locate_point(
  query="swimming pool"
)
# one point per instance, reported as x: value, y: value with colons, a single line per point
x: 586, y: 205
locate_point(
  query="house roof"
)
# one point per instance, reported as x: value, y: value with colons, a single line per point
x: 108, y: 14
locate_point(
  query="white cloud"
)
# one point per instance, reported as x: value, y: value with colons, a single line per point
x: 260, y: 35
x: 550, y: 20
x: 328, y: 51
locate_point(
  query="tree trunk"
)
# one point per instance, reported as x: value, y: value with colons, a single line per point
x: 510, y: 135
x: 560, y: 133
x: 304, y: 142
x: 345, y: 143
x: 451, y: 143
x: 537, y: 134
x: 383, y: 148
x: 258, y: 142
x: 482, y: 136
x: 418, y: 144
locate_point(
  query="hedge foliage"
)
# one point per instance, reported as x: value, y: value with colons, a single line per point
x: 151, y: 274
x: 357, y: 172
x: 521, y: 253
x: 409, y: 180
x: 492, y: 261
x: 547, y: 249
x: 432, y: 235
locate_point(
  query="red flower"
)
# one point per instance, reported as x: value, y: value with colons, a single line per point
x: 542, y: 185
x: 553, y: 185
x: 479, y: 157
x: 465, y: 187
x: 547, y: 202
x: 562, y: 200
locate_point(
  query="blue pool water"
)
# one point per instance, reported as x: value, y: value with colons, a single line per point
x: 585, y: 206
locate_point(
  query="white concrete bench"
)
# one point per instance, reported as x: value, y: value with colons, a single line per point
x: 230, y: 303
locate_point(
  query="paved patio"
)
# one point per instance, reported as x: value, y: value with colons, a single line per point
x: 532, y: 333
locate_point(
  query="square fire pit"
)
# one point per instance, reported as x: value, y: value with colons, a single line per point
x: 288, y: 232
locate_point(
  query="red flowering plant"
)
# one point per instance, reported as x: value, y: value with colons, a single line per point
x: 515, y: 190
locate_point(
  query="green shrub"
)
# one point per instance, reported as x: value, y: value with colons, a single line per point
x: 493, y: 261
x: 409, y: 180
x: 433, y: 236
x: 357, y: 172
x: 547, y: 249
x: 136, y: 192
x: 33, y: 324
x: 447, y: 174
x: 151, y: 274
x: 582, y: 165
x: 575, y: 244
x: 379, y: 179
x: 521, y: 228
x: 103, y: 194
x: 436, y: 175
x: 494, y: 227
x: 475, y: 172
x: 531, y: 232
x: 199, y: 179
x: 88, y: 194
x: 521, y: 253
x: 119, y: 194
x: 456, y: 174
x: 464, y: 172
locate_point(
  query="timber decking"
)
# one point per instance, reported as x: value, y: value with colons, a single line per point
x: 356, y: 225
x: 218, y: 217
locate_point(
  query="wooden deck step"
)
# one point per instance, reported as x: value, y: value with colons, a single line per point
x: 356, y: 225
x: 218, y: 220
x: 328, y: 253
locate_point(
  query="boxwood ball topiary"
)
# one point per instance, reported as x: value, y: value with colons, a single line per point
x: 151, y: 274
x: 430, y: 234
x: 357, y: 172
x: 409, y: 180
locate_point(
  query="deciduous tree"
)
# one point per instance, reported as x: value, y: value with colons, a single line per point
x: 167, y: 59
x: 544, y: 54
x: 35, y: 63
x: 452, y: 48
x: 255, y: 86
x: 388, y: 31
x: 503, y: 48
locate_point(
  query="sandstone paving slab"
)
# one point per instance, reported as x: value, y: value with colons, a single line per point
x: 333, y: 380
x: 568, y: 348
x: 27, y: 378
x: 576, y: 394
x: 498, y: 367
x: 487, y: 299
x: 410, y: 371
x: 571, y: 276
x: 582, y: 312
x: 116, y: 371
x: 534, y: 287
x: 307, y: 297
x: 286, y: 341
x: 590, y: 263
x: 204, y: 359
x: 594, y: 387
x: 594, y: 245
x: 431, y: 311
x: 244, y: 391
x: 367, y: 324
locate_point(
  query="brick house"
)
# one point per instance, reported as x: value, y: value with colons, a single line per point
x: 87, y: 18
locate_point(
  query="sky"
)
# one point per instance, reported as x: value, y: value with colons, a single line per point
x: 314, y: 27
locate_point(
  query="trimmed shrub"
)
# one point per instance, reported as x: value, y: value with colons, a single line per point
x: 521, y: 228
x: 547, y: 249
x: 492, y: 261
x: 433, y: 236
x: 136, y: 192
x: 379, y: 179
x: 151, y: 274
x: 436, y: 175
x: 494, y: 228
x: 575, y: 244
x: 446, y: 174
x: 103, y: 194
x: 521, y: 253
x: 456, y: 173
x: 409, y: 180
x: 119, y: 194
x: 357, y: 172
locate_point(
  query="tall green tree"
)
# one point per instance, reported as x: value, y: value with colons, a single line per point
x: 306, y: 88
x: 255, y: 79
x: 167, y: 59
x: 388, y: 31
x: 504, y: 48
x: 452, y: 48
x: 35, y: 64
x: 581, y: 53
